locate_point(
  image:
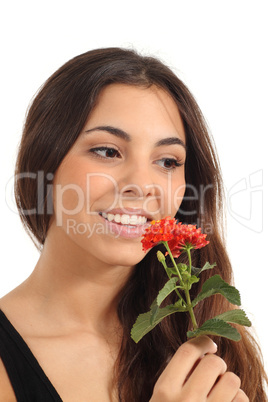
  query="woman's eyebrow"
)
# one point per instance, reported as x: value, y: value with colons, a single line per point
x: 112, y: 130
x: 170, y: 141
x: 125, y: 136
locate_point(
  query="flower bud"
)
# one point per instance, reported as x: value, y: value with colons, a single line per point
x: 160, y: 256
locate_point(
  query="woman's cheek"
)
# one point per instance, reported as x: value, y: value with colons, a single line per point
x: 172, y: 195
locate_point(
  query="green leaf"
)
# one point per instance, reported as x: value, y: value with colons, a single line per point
x: 166, y: 290
x: 143, y: 323
x: 181, y: 305
x: 171, y: 271
x: 182, y: 267
x: 185, y: 276
x: 193, y: 279
x: 216, y: 285
x: 197, y: 271
x: 208, y: 266
x: 235, y: 317
x: 189, y: 280
x: 216, y: 327
x: 153, y: 309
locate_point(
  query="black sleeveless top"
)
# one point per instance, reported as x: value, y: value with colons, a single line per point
x: 27, y: 378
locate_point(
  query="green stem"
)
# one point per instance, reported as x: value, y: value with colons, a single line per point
x: 174, y: 263
x: 190, y: 308
x: 169, y: 276
x: 180, y: 296
x: 177, y: 270
x: 187, y: 293
x: 188, y: 251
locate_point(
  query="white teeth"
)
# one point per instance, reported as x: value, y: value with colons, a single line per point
x: 125, y: 219
x: 140, y: 220
x: 117, y: 218
x: 110, y: 217
x: 133, y: 220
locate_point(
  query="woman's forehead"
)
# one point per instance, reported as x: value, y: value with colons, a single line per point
x: 135, y: 108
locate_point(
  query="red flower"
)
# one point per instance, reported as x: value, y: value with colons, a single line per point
x: 178, y: 236
x: 157, y: 232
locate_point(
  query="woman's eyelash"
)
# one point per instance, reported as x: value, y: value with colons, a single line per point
x: 169, y: 163
x: 105, y: 152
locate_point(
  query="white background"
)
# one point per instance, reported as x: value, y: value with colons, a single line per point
x: 219, y: 49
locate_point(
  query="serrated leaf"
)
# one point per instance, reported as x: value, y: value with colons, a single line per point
x: 235, y: 317
x: 216, y: 327
x: 193, y: 279
x: 143, y: 323
x: 197, y: 271
x: 166, y: 290
x: 208, y: 266
x: 153, y: 309
x: 216, y: 285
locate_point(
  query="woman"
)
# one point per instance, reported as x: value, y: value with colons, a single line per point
x: 112, y: 141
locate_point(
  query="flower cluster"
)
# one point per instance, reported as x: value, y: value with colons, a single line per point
x: 178, y: 236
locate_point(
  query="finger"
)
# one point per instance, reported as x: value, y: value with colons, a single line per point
x: 226, y: 388
x: 240, y: 397
x: 184, y: 360
x: 204, y: 377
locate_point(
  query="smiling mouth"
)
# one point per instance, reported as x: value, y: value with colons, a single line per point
x: 124, y: 219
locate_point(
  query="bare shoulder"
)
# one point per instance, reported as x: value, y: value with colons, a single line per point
x: 6, y: 391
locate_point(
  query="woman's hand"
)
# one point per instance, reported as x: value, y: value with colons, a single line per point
x: 196, y: 374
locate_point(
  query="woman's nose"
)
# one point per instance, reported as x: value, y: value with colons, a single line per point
x: 137, y: 182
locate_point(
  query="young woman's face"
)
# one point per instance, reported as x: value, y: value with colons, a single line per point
x: 125, y: 169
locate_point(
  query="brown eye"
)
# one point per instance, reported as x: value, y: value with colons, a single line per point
x: 105, y: 152
x: 168, y: 163
x: 111, y: 153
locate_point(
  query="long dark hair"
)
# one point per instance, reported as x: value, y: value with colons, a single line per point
x: 54, y: 122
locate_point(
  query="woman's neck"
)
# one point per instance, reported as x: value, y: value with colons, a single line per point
x: 73, y: 291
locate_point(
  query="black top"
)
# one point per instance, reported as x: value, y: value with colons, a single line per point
x: 27, y: 378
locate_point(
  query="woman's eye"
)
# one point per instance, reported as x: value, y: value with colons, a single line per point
x: 105, y: 152
x: 168, y: 163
